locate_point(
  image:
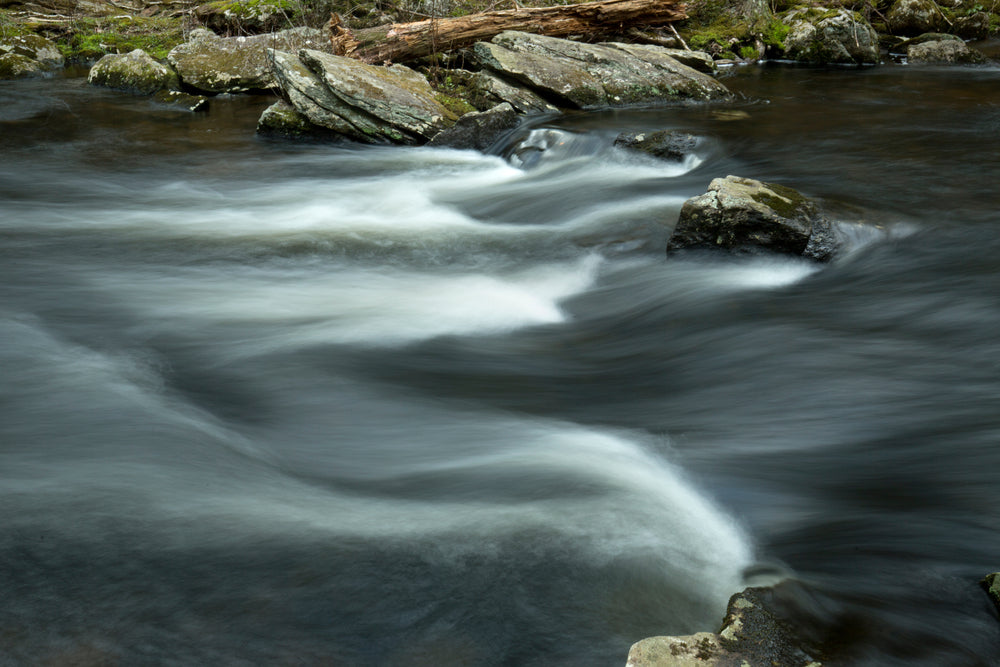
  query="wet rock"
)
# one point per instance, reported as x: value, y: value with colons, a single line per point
x: 576, y: 75
x: 820, y: 35
x: 182, y: 101
x: 945, y: 51
x: 673, y: 145
x: 751, y: 636
x: 479, y: 129
x: 366, y: 103
x: 282, y: 120
x: 698, y: 60
x: 746, y: 216
x: 991, y: 584
x: 136, y: 72
x: 35, y: 48
x: 16, y: 66
x: 913, y: 17
x: 237, y: 64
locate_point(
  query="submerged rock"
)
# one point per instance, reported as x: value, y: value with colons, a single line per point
x: 237, y: 64
x: 839, y: 36
x: 136, y: 72
x: 181, y: 101
x: 366, y: 103
x: 747, y: 216
x: 944, y: 51
x: 479, y: 129
x: 673, y: 145
x: 751, y: 636
x: 991, y: 584
x: 576, y: 75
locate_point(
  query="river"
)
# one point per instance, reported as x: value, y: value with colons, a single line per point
x: 266, y: 402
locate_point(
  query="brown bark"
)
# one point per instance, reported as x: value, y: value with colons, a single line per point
x: 402, y: 42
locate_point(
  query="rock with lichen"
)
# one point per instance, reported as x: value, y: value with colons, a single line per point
x: 575, y: 75
x: 216, y: 64
x: 366, y: 103
x: 746, y: 216
x: 913, y: 17
x: 672, y: 145
x: 33, y: 47
x: 751, y: 636
x: 135, y: 72
x: 478, y: 130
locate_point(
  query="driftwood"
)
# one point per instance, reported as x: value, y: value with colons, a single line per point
x: 402, y: 42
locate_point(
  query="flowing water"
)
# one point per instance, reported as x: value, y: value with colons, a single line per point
x: 278, y: 403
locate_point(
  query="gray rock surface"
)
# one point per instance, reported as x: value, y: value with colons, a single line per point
x: 913, y: 17
x: 576, y: 75
x: 366, y: 103
x: 945, y: 51
x: 494, y: 90
x: 837, y: 36
x: 136, y: 72
x: 751, y: 636
x: 479, y: 129
x: 237, y: 64
x: 747, y: 216
x: 282, y: 120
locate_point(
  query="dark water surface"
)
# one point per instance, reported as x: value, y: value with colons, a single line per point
x: 276, y: 403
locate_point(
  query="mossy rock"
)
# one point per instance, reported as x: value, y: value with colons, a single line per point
x: 991, y: 584
x: 835, y: 36
x: 16, y: 66
x: 915, y: 17
x: 33, y: 47
x: 135, y: 72
x: 248, y: 17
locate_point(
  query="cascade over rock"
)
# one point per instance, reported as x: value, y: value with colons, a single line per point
x: 576, y: 75
x: 747, y: 216
x: 367, y: 103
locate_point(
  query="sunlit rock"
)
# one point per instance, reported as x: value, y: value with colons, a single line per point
x: 747, y: 216
x: 751, y: 635
x: 577, y: 75
x: 839, y: 36
x: 237, y: 64
x: 136, y: 72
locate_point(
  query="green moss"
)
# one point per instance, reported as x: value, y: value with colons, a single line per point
x: 10, y: 27
x: 775, y: 33
x: 456, y: 105
x: 785, y: 201
x: 90, y: 38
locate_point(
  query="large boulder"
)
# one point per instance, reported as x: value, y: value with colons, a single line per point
x: 216, y: 64
x: 820, y: 35
x: 944, y: 51
x: 913, y: 17
x: 576, y: 75
x: 746, y: 216
x: 236, y: 17
x: 33, y: 47
x: 366, y: 103
x: 136, y: 72
x: 751, y: 635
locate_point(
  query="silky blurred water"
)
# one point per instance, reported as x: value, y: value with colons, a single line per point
x: 276, y: 403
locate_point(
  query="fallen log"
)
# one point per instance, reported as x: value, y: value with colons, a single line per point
x: 403, y: 42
